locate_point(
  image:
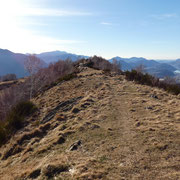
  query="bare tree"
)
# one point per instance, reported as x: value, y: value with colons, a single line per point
x: 116, y: 65
x: 9, y: 77
x: 140, y: 68
x: 33, y: 65
x: 169, y: 80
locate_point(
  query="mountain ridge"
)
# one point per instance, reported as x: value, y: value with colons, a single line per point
x: 11, y: 62
x: 97, y: 126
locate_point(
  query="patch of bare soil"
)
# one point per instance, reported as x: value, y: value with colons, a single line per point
x: 97, y: 126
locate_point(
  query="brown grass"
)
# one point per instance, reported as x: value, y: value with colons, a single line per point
x: 125, y: 132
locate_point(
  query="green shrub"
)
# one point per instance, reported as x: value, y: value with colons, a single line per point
x: 15, y: 119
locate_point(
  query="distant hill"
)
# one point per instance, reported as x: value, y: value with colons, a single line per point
x: 12, y: 63
x: 175, y: 64
x: 153, y: 67
x: 162, y: 70
x: 54, y: 56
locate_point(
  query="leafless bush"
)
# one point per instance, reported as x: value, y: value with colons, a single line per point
x: 140, y: 68
x: 169, y: 80
x: 47, y: 76
x: 8, y: 77
x: 38, y: 79
x: 116, y: 65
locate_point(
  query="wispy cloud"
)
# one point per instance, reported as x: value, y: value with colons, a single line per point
x: 22, y: 8
x: 106, y: 23
x: 49, y: 12
x: 15, y: 33
x: 23, y: 40
x: 164, y: 16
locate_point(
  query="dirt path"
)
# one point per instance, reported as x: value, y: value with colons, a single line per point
x: 149, y: 148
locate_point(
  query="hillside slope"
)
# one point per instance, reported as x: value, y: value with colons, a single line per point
x: 97, y: 126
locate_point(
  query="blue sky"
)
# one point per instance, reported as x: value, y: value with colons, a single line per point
x: 108, y: 28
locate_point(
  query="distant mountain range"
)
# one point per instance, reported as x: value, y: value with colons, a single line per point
x: 14, y: 63
x: 54, y: 56
x: 157, y: 68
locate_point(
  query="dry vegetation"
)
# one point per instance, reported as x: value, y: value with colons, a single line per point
x: 168, y: 84
x: 13, y: 93
x: 96, y: 125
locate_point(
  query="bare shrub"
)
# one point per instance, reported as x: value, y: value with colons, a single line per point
x: 169, y: 80
x: 116, y: 65
x: 48, y: 76
x: 8, y: 77
x: 36, y: 82
x: 140, y: 68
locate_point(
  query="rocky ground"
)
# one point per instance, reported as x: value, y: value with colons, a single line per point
x: 97, y: 126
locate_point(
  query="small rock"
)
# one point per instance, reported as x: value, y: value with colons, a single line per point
x: 154, y: 96
x: 138, y: 124
x: 75, y: 145
x: 149, y: 107
x: 151, y: 129
x: 133, y: 110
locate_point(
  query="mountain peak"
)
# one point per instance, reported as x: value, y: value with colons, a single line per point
x: 53, y: 53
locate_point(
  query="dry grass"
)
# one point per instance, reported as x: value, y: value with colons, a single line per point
x: 125, y: 132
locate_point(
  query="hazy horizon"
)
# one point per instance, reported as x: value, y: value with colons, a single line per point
x: 26, y: 53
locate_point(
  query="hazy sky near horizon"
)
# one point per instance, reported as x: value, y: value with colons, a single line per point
x: 108, y: 28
